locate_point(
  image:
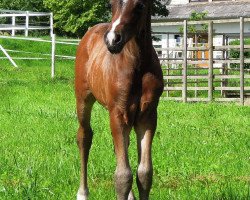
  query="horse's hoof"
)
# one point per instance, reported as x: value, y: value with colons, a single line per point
x: 131, y: 196
x: 82, y: 195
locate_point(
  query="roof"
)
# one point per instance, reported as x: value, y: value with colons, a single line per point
x: 215, y: 10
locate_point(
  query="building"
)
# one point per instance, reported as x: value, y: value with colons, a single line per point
x: 169, y: 34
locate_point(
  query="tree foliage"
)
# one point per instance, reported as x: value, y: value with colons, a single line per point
x: 159, y: 8
x: 23, y: 5
x: 74, y: 17
x: 197, y: 16
x: 32, y: 5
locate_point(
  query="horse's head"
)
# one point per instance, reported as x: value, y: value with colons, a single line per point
x: 128, y: 16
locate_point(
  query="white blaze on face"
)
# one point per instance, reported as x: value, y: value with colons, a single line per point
x: 111, y: 34
x: 125, y: 1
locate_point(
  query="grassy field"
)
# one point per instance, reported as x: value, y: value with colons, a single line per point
x: 200, y: 151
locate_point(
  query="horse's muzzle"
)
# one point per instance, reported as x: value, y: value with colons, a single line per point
x: 114, y: 42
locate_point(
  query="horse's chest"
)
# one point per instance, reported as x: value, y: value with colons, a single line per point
x: 111, y: 77
x: 111, y: 84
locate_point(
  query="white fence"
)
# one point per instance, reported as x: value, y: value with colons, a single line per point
x: 26, y: 21
x: 23, y: 22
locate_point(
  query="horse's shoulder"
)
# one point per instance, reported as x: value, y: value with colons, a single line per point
x: 99, y: 29
x: 92, y: 35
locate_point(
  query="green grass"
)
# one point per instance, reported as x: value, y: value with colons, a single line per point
x: 37, y: 48
x: 200, y: 151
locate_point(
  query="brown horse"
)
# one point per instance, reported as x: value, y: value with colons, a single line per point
x: 116, y: 65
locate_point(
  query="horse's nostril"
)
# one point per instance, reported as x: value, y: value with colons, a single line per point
x: 118, y: 38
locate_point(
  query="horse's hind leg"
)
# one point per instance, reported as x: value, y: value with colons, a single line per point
x: 84, y: 141
x: 145, y: 129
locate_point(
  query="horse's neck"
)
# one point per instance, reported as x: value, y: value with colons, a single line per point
x: 145, y: 39
x: 145, y: 33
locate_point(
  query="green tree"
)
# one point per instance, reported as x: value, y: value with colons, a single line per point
x: 32, y: 5
x: 197, y: 16
x: 23, y: 5
x: 160, y: 8
x: 74, y: 17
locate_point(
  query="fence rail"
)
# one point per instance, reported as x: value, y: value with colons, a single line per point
x: 26, y: 26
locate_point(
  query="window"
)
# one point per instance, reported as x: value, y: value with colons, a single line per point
x: 177, y: 39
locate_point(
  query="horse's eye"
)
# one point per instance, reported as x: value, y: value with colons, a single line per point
x: 108, y: 5
x: 139, y: 7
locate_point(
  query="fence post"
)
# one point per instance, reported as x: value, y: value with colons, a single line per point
x: 53, y: 50
x: 51, y: 25
x: 223, y: 71
x: 211, y: 61
x: 184, y: 70
x: 27, y: 24
x: 195, y: 55
x: 241, y: 60
x: 168, y: 66
x: 13, y: 24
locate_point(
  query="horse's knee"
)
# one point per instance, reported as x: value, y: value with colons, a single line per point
x: 123, y: 181
x: 84, y: 138
x: 144, y: 177
x: 148, y: 107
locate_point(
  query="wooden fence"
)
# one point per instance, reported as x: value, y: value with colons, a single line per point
x: 192, y: 83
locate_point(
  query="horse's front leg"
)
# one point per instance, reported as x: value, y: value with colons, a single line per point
x: 84, y: 141
x: 145, y: 128
x: 120, y: 132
